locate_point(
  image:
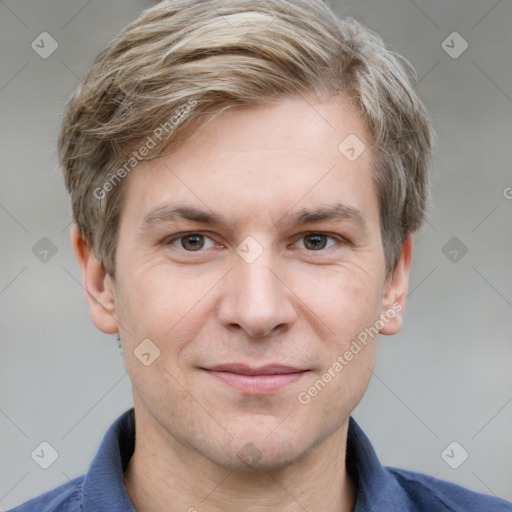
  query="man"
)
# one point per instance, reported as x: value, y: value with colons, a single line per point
x: 246, y: 178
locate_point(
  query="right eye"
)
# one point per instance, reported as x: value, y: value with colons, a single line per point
x: 191, y: 242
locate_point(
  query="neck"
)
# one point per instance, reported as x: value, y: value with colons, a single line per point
x: 164, y: 475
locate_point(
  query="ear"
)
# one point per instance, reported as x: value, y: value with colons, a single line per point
x: 98, y: 285
x: 395, y: 291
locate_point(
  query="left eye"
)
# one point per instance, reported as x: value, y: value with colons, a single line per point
x: 317, y: 241
x: 193, y: 242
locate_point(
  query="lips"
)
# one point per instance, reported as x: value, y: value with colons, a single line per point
x: 256, y: 380
x: 243, y: 369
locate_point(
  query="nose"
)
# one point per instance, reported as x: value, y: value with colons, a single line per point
x: 256, y: 298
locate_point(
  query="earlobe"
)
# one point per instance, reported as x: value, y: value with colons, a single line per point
x: 395, y: 291
x: 99, y: 289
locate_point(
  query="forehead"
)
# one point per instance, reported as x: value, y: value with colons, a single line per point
x: 260, y: 163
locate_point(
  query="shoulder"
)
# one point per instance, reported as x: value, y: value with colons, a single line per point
x: 428, y: 493
x: 65, y: 498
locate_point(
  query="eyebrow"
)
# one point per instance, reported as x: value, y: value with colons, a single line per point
x: 176, y: 213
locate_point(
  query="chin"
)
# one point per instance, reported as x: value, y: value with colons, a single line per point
x: 265, y: 466
x: 253, y: 459
x: 261, y: 453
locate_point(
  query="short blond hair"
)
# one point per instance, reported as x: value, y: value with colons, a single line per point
x: 183, y: 62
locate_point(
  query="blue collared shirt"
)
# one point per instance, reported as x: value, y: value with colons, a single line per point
x: 379, y: 489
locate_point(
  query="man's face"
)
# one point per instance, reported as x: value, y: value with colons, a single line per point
x: 256, y: 281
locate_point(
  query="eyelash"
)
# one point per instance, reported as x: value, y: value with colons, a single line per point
x: 176, y: 238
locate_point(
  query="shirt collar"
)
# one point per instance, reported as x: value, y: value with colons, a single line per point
x: 104, y: 490
x: 377, y: 489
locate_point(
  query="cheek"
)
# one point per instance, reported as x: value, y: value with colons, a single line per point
x: 163, y: 304
x: 349, y: 310
x: 347, y: 300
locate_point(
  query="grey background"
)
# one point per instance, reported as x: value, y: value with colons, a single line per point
x: 446, y: 377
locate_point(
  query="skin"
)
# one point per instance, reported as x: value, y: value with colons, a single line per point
x: 294, y: 305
